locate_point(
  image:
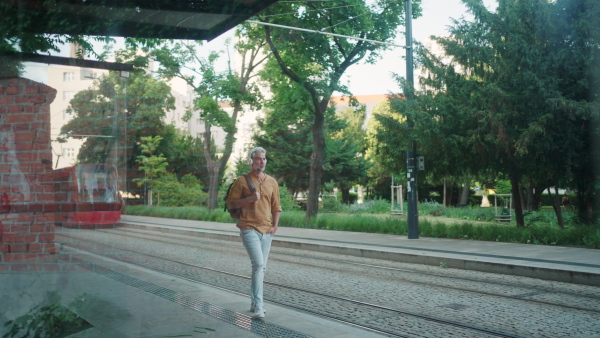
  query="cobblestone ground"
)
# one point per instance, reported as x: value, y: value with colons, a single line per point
x: 513, y: 305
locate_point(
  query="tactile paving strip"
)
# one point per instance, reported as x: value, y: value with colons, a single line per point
x: 256, y: 326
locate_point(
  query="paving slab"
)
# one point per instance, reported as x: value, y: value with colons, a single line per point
x: 122, y: 300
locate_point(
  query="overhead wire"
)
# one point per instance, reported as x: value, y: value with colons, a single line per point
x: 337, y: 24
x: 323, y: 31
x: 312, y: 10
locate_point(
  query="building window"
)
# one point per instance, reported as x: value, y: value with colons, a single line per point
x: 69, y: 76
x: 88, y: 74
x: 69, y: 152
x: 68, y: 95
x: 66, y: 114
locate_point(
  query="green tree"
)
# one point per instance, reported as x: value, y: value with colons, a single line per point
x: 348, y: 164
x: 498, y: 99
x: 186, y: 156
x: 286, y: 133
x: 114, y: 114
x: 212, y: 87
x: 15, y: 36
x: 317, y: 62
x: 153, y: 166
x: 288, y: 148
x: 578, y: 48
x: 386, y: 138
x: 20, y: 20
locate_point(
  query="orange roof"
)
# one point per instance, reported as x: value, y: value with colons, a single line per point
x: 337, y: 100
x: 224, y: 104
x: 343, y: 100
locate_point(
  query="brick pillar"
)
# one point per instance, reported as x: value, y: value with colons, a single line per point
x: 28, y: 210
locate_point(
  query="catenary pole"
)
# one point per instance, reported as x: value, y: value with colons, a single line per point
x: 411, y: 153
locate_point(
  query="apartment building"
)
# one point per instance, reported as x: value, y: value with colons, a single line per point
x: 67, y: 81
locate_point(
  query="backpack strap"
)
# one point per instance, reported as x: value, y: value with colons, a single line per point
x: 250, y: 183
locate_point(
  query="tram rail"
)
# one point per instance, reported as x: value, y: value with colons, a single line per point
x: 182, y: 270
x: 528, y: 290
x: 343, y: 302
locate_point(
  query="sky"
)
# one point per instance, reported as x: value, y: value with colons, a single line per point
x: 377, y: 78
x: 362, y: 79
x: 436, y: 17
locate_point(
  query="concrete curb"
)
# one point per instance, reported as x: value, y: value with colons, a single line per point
x: 475, y: 263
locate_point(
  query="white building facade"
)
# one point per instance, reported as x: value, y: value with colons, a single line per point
x: 67, y: 81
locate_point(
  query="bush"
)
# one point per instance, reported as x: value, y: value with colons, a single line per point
x: 288, y: 203
x: 356, y: 223
x: 377, y: 206
x: 170, y: 192
x: 352, y: 198
x: 503, y: 187
x: 475, y: 200
x: 191, y: 213
x: 331, y: 204
x: 541, y: 226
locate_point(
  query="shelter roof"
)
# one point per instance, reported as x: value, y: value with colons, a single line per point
x: 160, y: 19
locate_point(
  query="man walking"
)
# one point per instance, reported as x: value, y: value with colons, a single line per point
x: 258, y: 222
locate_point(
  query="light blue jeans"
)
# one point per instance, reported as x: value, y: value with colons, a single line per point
x: 258, y: 246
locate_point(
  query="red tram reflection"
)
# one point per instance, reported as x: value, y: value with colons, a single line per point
x: 92, y: 193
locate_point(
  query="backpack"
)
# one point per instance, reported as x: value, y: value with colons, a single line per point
x: 236, y: 213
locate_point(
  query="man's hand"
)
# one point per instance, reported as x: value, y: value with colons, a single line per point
x: 255, y: 197
x: 273, y: 230
x: 275, y: 225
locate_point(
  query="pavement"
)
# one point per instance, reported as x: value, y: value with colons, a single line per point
x: 122, y: 300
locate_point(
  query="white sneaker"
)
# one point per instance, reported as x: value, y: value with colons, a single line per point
x: 253, y: 308
x: 259, y: 313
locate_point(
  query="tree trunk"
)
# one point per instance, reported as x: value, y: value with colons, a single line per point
x: 345, y: 194
x: 215, y: 168
x: 320, y: 102
x: 584, y: 203
x: 316, y: 166
x: 529, y: 197
x: 444, y: 201
x: 522, y: 196
x: 556, y: 207
x: 213, y: 188
x: 464, y: 197
x: 516, y: 194
x: 537, y: 196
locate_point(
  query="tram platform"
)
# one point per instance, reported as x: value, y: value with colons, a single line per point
x: 556, y: 263
x: 128, y: 301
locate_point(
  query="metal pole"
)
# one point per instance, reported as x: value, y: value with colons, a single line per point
x: 411, y: 154
x: 115, y: 116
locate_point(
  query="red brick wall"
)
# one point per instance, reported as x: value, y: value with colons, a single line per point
x: 28, y: 210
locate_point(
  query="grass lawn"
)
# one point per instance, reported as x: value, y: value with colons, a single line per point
x: 464, y: 223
